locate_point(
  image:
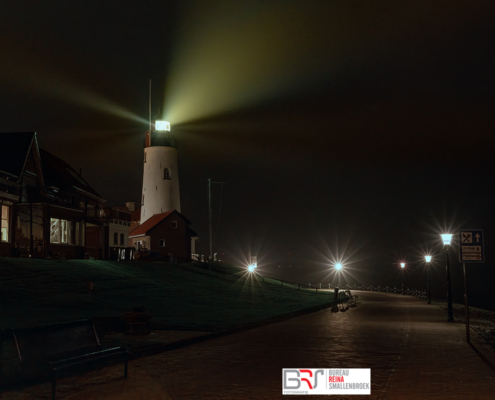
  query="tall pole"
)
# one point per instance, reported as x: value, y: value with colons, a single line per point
x: 466, y: 309
x: 402, y: 276
x: 429, y: 286
x: 209, y: 219
x: 449, y: 289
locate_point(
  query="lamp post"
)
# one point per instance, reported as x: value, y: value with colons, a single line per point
x: 447, y: 238
x: 428, y: 260
x: 402, y: 266
x: 338, y: 267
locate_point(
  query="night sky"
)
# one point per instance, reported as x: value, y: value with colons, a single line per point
x: 354, y: 130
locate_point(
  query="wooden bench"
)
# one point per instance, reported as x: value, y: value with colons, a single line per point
x: 57, y: 348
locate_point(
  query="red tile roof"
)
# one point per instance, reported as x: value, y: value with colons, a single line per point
x: 150, y: 223
x: 136, y: 215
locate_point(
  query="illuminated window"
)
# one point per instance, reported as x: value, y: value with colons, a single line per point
x: 4, y: 232
x: 162, y: 242
x: 166, y: 174
x: 61, y: 231
x: 54, y: 230
x: 174, y: 224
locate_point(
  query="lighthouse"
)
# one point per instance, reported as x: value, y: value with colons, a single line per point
x: 160, y: 172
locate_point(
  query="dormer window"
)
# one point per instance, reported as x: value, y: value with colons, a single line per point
x: 174, y: 224
x: 166, y: 174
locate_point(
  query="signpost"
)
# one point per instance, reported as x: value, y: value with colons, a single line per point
x: 471, y: 249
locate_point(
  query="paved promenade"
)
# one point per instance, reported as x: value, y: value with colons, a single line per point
x: 412, y: 351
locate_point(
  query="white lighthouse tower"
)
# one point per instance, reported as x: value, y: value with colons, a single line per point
x: 160, y: 172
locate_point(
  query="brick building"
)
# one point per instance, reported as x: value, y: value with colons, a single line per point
x: 166, y: 235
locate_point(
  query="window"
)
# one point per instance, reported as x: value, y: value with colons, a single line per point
x: 166, y: 174
x: 115, y: 238
x: 174, y: 224
x: 121, y: 238
x: 162, y: 242
x: 144, y: 156
x: 143, y: 201
x: 4, y: 231
x: 61, y: 231
x: 54, y: 230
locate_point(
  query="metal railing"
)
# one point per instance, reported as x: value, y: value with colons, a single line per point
x: 321, y: 286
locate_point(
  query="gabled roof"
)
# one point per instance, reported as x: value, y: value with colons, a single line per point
x: 145, y: 227
x: 14, y: 150
x: 60, y: 174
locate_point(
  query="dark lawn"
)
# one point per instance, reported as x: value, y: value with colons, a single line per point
x: 182, y: 297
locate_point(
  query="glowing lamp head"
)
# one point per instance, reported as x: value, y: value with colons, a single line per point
x: 338, y: 266
x: 428, y: 259
x: 447, y: 238
x: 402, y: 265
x: 162, y: 126
x: 251, y: 268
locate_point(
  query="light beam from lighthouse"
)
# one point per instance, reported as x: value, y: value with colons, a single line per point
x: 160, y: 172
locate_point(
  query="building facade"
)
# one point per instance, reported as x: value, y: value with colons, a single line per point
x: 47, y: 208
x: 166, y: 235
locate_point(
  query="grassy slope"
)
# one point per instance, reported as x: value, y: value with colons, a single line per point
x: 34, y: 292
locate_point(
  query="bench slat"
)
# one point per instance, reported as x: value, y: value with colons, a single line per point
x: 107, y: 353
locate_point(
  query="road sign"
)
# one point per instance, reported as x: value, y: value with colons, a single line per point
x: 471, y: 248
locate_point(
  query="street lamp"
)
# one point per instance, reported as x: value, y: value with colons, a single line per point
x: 338, y: 267
x: 251, y: 268
x: 447, y: 238
x: 402, y: 266
x: 428, y: 260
